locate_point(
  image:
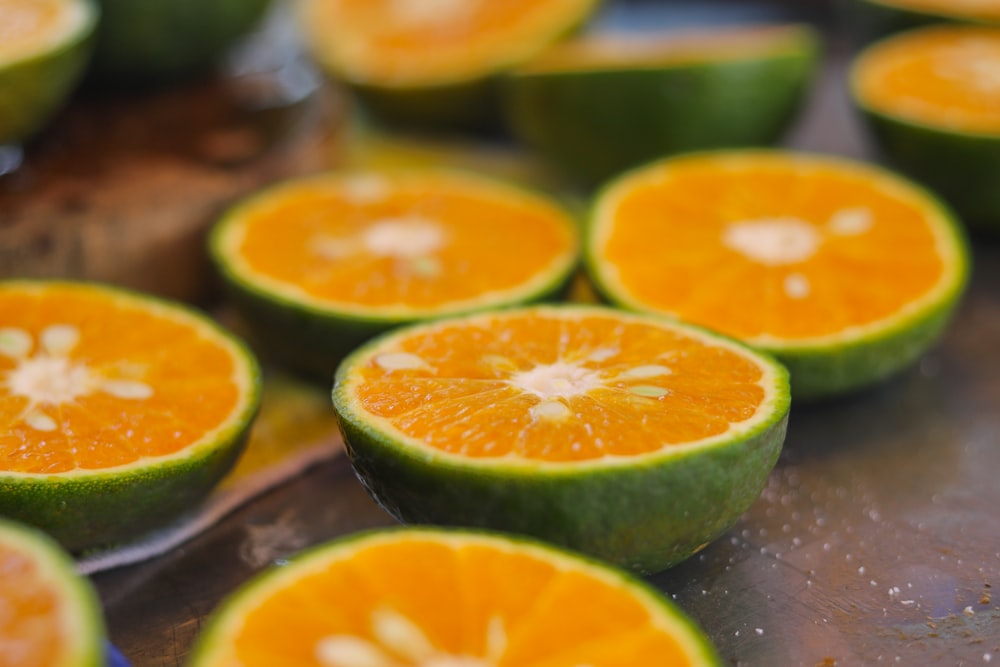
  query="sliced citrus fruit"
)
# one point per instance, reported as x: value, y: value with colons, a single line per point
x: 51, y: 616
x: 319, y: 264
x: 44, y: 46
x: 932, y: 100
x: 604, y: 102
x: 118, y: 411
x: 871, y: 19
x: 628, y: 437
x: 432, y: 62
x: 396, y: 598
x: 845, y: 272
x: 159, y: 40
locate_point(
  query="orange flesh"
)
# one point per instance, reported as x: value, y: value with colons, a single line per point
x: 470, y: 398
x: 665, y: 239
x: 428, y: 243
x: 417, y: 41
x: 191, y: 380
x: 549, y: 616
x: 982, y: 9
x: 30, y: 625
x: 946, y: 77
x: 27, y: 24
x: 644, y: 49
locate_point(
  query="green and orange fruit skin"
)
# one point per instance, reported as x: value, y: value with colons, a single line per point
x: 597, y: 118
x: 154, y: 42
x: 39, y: 560
x: 961, y: 165
x: 644, y: 513
x: 35, y: 87
x: 98, y: 508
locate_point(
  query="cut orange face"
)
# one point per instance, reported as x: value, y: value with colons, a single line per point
x: 405, y: 598
x: 628, y: 437
x: 410, y: 43
x: 51, y: 616
x: 844, y: 271
x: 945, y: 77
x: 931, y: 98
x: 44, y: 46
x: 319, y: 264
x: 432, y: 62
x: 117, y: 411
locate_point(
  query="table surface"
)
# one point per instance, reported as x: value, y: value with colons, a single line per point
x: 876, y: 540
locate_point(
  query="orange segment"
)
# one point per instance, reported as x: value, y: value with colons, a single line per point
x: 423, y: 597
x: 399, y: 243
x: 89, y: 382
x: 945, y: 77
x: 558, y: 386
x: 770, y: 248
x: 419, y: 42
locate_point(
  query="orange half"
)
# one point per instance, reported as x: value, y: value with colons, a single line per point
x: 945, y: 77
x: 780, y: 250
x: 399, y: 245
x: 93, y: 379
x: 413, y: 43
x: 51, y: 616
x: 422, y: 597
x: 33, y: 27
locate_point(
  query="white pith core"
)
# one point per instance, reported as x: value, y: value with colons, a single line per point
x: 773, y: 241
x: 365, y: 188
x: 558, y: 380
x: 50, y: 378
x: 784, y: 241
x: 410, y: 238
x: 400, y: 642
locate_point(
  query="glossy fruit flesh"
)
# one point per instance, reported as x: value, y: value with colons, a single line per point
x: 422, y: 597
x: 799, y: 255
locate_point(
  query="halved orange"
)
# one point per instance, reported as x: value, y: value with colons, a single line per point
x: 628, y: 437
x: 432, y: 61
x: 932, y: 100
x: 844, y: 271
x: 44, y: 47
x: 397, y: 598
x: 607, y: 101
x: 118, y: 411
x: 51, y: 616
x: 319, y: 264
